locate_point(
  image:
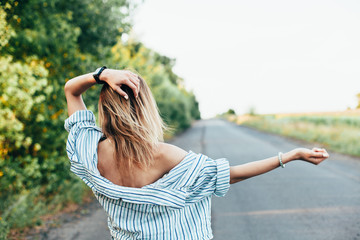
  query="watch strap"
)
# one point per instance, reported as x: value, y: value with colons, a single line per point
x: 97, y: 74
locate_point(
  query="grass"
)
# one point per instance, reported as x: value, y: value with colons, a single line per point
x: 28, y: 208
x: 337, y: 131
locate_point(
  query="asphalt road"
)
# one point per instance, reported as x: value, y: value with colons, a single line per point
x: 299, y: 202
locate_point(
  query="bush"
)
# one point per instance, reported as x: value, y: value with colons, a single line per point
x: 43, y: 44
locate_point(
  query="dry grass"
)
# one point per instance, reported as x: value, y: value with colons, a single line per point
x: 338, y: 131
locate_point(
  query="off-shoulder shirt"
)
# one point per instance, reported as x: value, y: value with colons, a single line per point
x: 176, y: 206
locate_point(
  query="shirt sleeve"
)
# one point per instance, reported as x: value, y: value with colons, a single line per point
x: 213, y: 178
x: 82, y: 142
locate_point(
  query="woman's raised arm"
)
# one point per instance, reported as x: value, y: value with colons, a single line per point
x: 251, y: 169
x: 115, y: 78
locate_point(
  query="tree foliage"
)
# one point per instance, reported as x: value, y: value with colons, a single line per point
x: 42, y: 45
x: 177, y: 106
x: 231, y: 111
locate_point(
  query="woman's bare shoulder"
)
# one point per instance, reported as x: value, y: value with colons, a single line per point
x: 169, y: 155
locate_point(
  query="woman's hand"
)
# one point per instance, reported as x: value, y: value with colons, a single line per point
x: 117, y: 78
x: 314, y: 156
x: 251, y: 169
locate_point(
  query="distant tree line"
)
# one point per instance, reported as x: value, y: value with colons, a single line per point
x: 42, y: 45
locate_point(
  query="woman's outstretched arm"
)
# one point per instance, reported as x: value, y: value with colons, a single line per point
x: 251, y: 169
x: 115, y: 78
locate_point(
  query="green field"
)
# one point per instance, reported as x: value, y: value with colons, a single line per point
x: 337, y: 131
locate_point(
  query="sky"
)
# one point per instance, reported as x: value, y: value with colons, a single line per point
x: 273, y: 56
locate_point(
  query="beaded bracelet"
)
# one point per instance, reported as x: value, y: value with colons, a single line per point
x: 280, y: 159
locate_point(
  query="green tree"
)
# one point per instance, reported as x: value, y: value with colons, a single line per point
x: 177, y: 106
x: 68, y: 38
x: 43, y: 44
x: 22, y: 86
x: 231, y: 111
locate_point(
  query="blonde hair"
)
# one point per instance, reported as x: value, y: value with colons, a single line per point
x: 134, y: 125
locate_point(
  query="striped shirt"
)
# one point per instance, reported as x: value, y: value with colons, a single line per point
x: 176, y: 206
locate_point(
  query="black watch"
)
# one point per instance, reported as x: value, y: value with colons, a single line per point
x: 97, y: 73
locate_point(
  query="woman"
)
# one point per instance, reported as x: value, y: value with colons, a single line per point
x: 149, y: 189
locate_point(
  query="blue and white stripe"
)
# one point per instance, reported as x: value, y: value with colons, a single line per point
x: 177, y: 206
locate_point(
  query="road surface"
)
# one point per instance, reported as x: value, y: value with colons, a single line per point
x: 301, y: 201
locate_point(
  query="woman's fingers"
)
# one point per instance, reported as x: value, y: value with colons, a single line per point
x: 320, y: 154
x: 134, y: 81
x: 130, y: 85
x: 314, y: 156
x: 318, y: 157
x: 121, y: 92
x: 127, y: 78
x: 133, y: 86
x: 133, y: 76
x: 316, y: 149
x: 124, y: 77
x: 326, y: 154
x: 321, y: 151
x: 131, y: 73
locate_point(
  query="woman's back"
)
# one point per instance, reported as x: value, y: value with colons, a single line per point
x: 175, y: 206
x: 146, y: 204
x: 165, y: 158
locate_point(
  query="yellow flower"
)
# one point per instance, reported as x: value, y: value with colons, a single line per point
x: 1, y: 174
x: 37, y: 147
x: 56, y: 115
